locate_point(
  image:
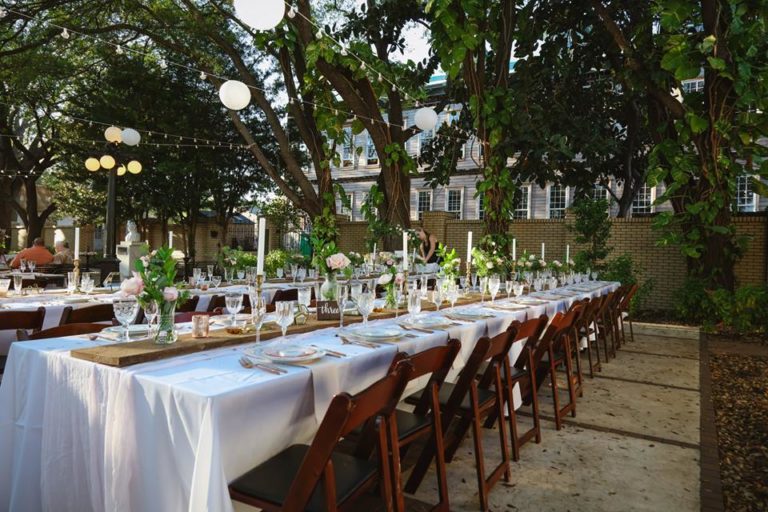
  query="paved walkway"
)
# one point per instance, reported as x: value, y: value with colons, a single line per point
x: 634, y: 444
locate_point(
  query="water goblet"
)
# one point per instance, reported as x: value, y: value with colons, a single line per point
x: 234, y: 303
x: 508, y: 288
x: 483, y: 288
x: 342, y: 293
x: 71, y: 282
x: 494, y: 283
x: 414, y: 304
x: 150, y: 312
x: 452, y: 294
x: 294, y: 270
x: 240, y: 275
x: 258, y: 311
x: 215, y: 281
x: 279, y: 272
x: 196, y: 274
x: 302, y: 274
x: 285, y: 315
x: 436, y: 296
x: 210, y: 269
x: 355, y: 290
x: 31, y: 264
x: 518, y: 289
x: 86, y: 283
x: 125, y: 309
x: 305, y: 296
x: 18, y: 281
x: 594, y: 275
x: 23, y: 265
x: 365, y: 304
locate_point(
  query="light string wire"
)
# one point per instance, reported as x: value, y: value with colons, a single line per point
x: 203, y: 74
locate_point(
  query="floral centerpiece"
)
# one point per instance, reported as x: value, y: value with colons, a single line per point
x: 355, y: 258
x: 153, y: 282
x: 329, y: 261
x: 487, y: 263
x: 531, y: 263
x: 450, y: 264
x: 391, y: 278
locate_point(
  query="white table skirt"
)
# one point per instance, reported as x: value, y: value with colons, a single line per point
x: 169, y: 435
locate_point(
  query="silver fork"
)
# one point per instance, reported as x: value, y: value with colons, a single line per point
x: 248, y: 363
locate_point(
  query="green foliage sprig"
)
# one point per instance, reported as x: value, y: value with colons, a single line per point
x: 158, y: 273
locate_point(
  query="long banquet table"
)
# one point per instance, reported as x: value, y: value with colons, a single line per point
x: 170, y: 435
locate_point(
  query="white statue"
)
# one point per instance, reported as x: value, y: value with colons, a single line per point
x: 132, y: 232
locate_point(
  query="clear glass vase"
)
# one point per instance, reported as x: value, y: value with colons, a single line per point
x: 328, y: 288
x: 390, y: 300
x: 165, y: 334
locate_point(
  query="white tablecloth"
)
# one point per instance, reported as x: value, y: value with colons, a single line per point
x: 169, y: 435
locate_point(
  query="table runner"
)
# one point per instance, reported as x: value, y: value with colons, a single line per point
x: 169, y: 435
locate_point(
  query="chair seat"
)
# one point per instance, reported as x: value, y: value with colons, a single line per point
x: 409, y: 423
x: 484, y: 396
x: 518, y: 374
x: 271, y: 480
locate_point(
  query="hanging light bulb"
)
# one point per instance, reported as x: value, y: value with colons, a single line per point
x: 426, y: 118
x: 291, y: 12
x: 65, y: 33
x: 130, y: 137
x: 113, y: 134
x: 202, y: 75
x: 319, y: 34
x: 119, y: 50
x: 234, y: 95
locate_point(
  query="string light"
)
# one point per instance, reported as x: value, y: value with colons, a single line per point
x: 65, y: 34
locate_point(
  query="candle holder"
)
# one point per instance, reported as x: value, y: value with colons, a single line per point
x: 259, y: 284
x: 76, y: 273
x: 470, y: 284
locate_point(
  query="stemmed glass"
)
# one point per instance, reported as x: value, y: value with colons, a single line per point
x: 210, y: 269
x: 518, y: 289
x: 150, y: 311
x: 414, y: 304
x: 305, y: 296
x: 508, y: 288
x: 215, y: 281
x: 399, y: 291
x: 302, y: 274
x: 365, y: 305
x: 31, y: 264
x: 234, y: 303
x: 494, y: 283
x: 285, y: 315
x: 125, y: 309
x: 436, y: 296
x: 452, y: 294
x: 258, y: 311
x: 483, y: 287
x: 86, y: 283
x: 71, y: 282
x: 240, y: 275
x: 279, y: 273
x: 196, y: 274
x: 294, y: 270
x: 342, y: 293
x: 18, y: 281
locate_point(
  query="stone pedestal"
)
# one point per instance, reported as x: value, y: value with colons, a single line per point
x: 127, y: 254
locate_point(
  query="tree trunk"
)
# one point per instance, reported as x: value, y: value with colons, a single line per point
x: 717, y: 260
x: 496, y: 218
x: 35, y: 221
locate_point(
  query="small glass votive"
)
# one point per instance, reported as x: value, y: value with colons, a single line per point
x: 5, y: 284
x: 200, y: 326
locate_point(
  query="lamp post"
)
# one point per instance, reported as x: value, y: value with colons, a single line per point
x: 112, y: 161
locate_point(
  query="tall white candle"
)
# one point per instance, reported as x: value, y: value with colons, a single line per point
x: 262, y: 236
x: 469, y: 249
x: 77, y: 243
x: 514, y: 249
x: 542, y: 250
x: 405, y: 250
x: 567, y: 253
x: 373, y: 256
x: 170, y: 239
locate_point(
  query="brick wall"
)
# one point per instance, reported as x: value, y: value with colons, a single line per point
x: 664, y: 266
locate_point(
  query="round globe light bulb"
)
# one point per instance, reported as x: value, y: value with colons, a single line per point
x: 130, y: 137
x: 92, y: 164
x: 121, y: 170
x: 260, y: 14
x: 234, y: 95
x: 426, y: 118
x: 134, y: 167
x: 107, y: 161
x: 113, y: 134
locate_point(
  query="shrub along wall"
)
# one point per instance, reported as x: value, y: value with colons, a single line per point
x: 664, y: 266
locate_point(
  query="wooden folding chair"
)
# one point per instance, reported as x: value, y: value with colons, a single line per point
x: 25, y: 320
x: 426, y: 416
x: 284, y: 295
x: 556, y: 340
x: 466, y: 404
x: 604, y: 325
x: 87, y: 315
x: 59, y: 331
x: 219, y: 303
x: 585, y: 329
x: 318, y: 478
x: 189, y: 306
x: 624, y: 312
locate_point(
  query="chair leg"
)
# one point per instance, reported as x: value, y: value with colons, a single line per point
x: 437, y: 435
x: 555, y: 398
x: 477, y: 435
x: 589, y: 356
x: 579, y: 375
x: 631, y: 330
x: 500, y: 398
x: 394, y: 447
x: 571, y: 378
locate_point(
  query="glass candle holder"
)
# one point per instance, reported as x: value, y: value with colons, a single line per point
x: 200, y: 326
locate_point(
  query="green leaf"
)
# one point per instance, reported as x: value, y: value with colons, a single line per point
x: 716, y: 63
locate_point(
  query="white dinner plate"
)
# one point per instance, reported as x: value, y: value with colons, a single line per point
x: 508, y: 305
x: 378, y: 333
x: 470, y: 314
x: 135, y: 331
x: 287, y: 353
x: 226, y: 320
x: 428, y: 321
x: 530, y: 301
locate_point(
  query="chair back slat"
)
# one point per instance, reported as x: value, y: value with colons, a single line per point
x: 60, y: 331
x: 87, y: 315
x: 189, y: 305
x: 29, y: 320
x: 285, y: 295
x: 530, y: 331
x: 344, y: 415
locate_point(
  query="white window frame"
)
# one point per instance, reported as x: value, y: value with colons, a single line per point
x: 755, y: 195
x: 461, y: 200
x: 526, y: 189
x: 431, y: 201
x: 697, y: 85
x: 350, y: 214
x: 368, y: 146
x: 348, y: 145
x: 606, y: 194
x: 653, y: 201
x: 549, y: 198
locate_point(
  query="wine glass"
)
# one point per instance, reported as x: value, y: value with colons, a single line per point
x: 279, y: 273
x: 355, y: 290
x: 258, y: 311
x: 508, y: 288
x: 436, y: 296
x: 234, y: 303
x: 494, y: 283
x: 305, y: 296
x: 483, y: 287
x: 196, y: 274
x: 414, y: 304
x: 86, y: 283
x: 240, y: 275
x: 125, y: 309
x: 302, y: 274
x: 294, y: 270
x: 210, y: 269
x: 150, y: 311
x: 594, y: 275
x: 342, y: 293
x: 452, y: 294
x: 215, y: 281
x: 518, y: 289
x: 71, y: 282
x: 365, y: 304
x: 18, y: 281
x: 31, y: 264
x: 399, y: 291
x: 285, y: 315
x: 23, y: 265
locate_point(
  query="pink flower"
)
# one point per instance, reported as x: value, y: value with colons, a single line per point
x: 132, y: 286
x: 337, y: 261
x: 399, y: 278
x: 170, y: 293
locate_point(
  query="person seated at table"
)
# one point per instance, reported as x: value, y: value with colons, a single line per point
x: 37, y: 253
x: 428, y: 247
x: 63, y: 255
